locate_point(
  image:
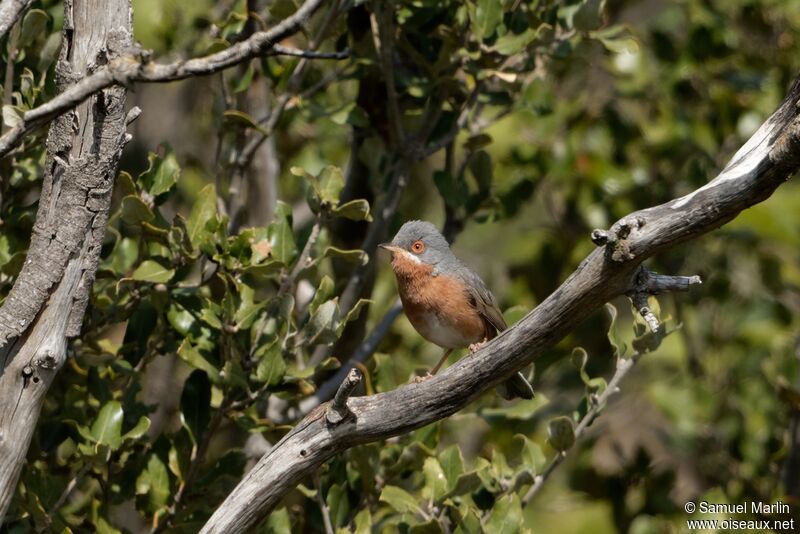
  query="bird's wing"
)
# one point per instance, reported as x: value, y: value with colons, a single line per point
x: 483, y: 299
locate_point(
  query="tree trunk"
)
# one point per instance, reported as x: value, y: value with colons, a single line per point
x: 48, y: 300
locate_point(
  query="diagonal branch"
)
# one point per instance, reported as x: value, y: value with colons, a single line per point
x: 765, y: 162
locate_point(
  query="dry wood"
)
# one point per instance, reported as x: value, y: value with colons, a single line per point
x: 46, y: 305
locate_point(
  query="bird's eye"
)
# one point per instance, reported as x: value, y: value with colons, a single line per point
x: 417, y: 247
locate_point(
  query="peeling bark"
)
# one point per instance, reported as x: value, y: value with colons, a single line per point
x: 47, y: 303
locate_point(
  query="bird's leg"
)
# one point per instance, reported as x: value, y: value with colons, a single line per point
x: 476, y: 346
x: 438, y: 365
x: 435, y: 368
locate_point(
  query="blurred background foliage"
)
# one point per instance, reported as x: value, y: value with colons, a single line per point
x: 241, y: 208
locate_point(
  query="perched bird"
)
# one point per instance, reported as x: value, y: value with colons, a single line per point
x: 446, y: 302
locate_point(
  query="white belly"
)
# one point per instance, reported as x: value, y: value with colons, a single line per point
x: 441, y: 332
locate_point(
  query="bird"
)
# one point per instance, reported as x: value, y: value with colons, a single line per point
x: 446, y: 302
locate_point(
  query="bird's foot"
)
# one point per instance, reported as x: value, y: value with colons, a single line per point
x: 475, y: 347
x: 423, y: 378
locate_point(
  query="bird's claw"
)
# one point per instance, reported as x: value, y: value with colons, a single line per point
x: 423, y: 378
x: 475, y: 347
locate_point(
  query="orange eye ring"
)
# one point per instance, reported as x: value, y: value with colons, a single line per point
x: 417, y: 247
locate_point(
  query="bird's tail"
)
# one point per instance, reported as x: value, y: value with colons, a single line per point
x: 515, y: 387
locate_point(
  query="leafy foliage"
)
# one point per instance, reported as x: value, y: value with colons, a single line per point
x: 207, y: 318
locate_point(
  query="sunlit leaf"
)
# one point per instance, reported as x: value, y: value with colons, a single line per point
x: 153, y: 482
x: 356, y: 210
x: 107, y: 428
x: 203, y: 210
x: 193, y: 357
x: 400, y: 500
x: 152, y: 271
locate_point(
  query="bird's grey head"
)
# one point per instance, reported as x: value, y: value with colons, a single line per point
x: 421, y: 241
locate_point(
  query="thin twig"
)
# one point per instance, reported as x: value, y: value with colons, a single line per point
x: 194, y: 466
x: 292, y: 87
x: 323, y: 506
x: 70, y: 487
x: 338, y: 411
x: 137, y: 67
x: 623, y: 366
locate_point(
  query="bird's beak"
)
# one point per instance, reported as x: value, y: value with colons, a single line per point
x: 388, y: 246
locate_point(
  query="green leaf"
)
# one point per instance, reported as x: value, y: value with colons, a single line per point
x: 363, y: 522
x: 452, y: 189
x: 192, y: 356
x: 506, y: 516
x: 271, y: 366
x: 561, y: 433
x: 331, y: 183
x: 353, y: 314
x: 521, y: 410
x: 400, y: 500
x: 181, y: 319
x: 203, y: 210
x: 589, y: 15
x: 162, y: 175
x: 480, y: 164
x: 466, y: 483
x: 107, y: 428
x: 338, y: 504
x: 356, y: 210
x: 625, y: 44
x: 246, y: 80
x: 152, y: 271
x: 579, y: 358
x: 196, y: 404
x: 142, y: 426
x: 278, y: 522
x: 242, y: 120
x: 12, y: 116
x: 123, y: 256
x: 514, y: 43
x: 436, y: 484
x: 154, y: 483
x: 134, y: 211
x: 478, y: 141
x: 452, y: 464
x: 281, y: 240
x: 351, y: 114
x: 356, y: 256
x: 614, y: 337
x: 488, y: 15
x: 531, y: 456
x: 103, y: 527
x: 34, y: 25
x: 323, y: 294
x: 321, y: 327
